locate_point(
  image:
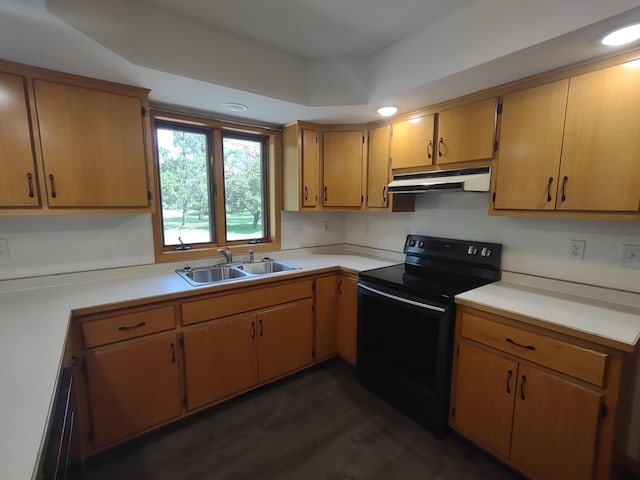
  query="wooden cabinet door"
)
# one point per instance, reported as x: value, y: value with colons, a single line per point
x: 412, y: 142
x: 310, y: 168
x: 484, y: 396
x: 92, y: 147
x: 326, y: 310
x: 132, y: 386
x: 348, y: 315
x: 530, y: 145
x: 221, y: 358
x: 600, y: 170
x: 555, y: 426
x: 378, y: 167
x: 18, y: 184
x: 342, y: 158
x: 467, y: 132
x: 285, y: 341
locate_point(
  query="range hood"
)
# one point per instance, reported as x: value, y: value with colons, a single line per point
x: 459, y: 180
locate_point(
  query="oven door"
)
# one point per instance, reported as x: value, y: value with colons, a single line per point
x: 405, y: 349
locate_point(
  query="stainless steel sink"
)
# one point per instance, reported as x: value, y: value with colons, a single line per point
x: 213, y: 274
x: 266, y: 266
x: 220, y: 273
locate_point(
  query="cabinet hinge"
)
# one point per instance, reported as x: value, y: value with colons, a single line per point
x: 495, y: 146
x: 604, y: 410
x: 149, y: 195
x: 494, y: 197
x: 453, y: 412
x: 143, y: 111
x: 499, y: 108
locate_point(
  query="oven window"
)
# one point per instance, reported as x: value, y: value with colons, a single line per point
x: 404, y: 338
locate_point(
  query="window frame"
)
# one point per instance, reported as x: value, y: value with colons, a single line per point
x: 272, y: 186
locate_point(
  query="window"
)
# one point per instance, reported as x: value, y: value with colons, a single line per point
x: 216, y: 187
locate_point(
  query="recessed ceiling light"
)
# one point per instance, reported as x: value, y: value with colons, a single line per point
x: 235, y: 107
x: 387, y: 111
x: 622, y: 36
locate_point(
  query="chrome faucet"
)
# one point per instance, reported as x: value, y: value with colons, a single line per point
x: 228, y: 256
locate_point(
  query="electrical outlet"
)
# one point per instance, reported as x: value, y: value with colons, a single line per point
x: 576, y: 249
x: 630, y: 256
x: 325, y: 225
x: 4, y: 248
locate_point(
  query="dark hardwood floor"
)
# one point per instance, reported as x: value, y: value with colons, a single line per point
x: 320, y: 424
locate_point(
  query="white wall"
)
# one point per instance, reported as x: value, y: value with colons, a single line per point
x: 41, y: 245
x: 530, y: 245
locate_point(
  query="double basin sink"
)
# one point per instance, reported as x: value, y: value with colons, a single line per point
x: 222, y: 272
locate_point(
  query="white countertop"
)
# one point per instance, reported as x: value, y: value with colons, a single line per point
x: 608, y: 317
x: 34, y: 318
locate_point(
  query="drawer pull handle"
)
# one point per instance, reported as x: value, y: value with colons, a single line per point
x: 261, y: 327
x: 564, y: 185
x: 429, y: 148
x: 384, y: 194
x: 440, y: 143
x: 524, y: 380
x: 124, y: 329
x: 549, y: 189
x: 306, y: 193
x: 528, y: 347
x: 173, y: 352
x: 54, y: 194
x: 253, y: 330
x: 509, y: 375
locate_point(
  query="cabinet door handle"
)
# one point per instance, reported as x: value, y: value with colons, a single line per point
x: 306, y: 193
x: 131, y: 327
x: 261, y: 327
x: 384, y: 194
x: 173, y: 352
x: 30, y: 182
x: 440, y: 143
x: 528, y: 347
x: 564, y: 184
x: 429, y: 148
x: 253, y: 330
x: 53, y: 186
x: 325, y: 193
x: 522, y: 382
x: 549, y: 189
x: 509, y: 375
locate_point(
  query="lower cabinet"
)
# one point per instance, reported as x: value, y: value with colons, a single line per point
x: 538, y: 402
x: 133, y: 386
x: 348, y: 317
x: 231, y: 354
x: 326, y: 310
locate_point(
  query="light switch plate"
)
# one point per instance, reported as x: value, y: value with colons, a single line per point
x: 630, y: 256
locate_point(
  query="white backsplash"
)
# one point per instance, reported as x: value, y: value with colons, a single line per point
x: 530, y: 245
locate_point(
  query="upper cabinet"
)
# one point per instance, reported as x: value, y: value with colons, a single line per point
x: 412, y: 142
x: 379, y: 168
x: 530, y: 146
x: 343, y: 162
x: 572, y: 145
x: 467, y: 133
x: 460, y: 134
x: 18, y: 182
x: 92, y: 147
x: 70, y: 142
x: 301, y: 167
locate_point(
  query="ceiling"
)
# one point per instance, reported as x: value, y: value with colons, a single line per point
x: 329, y: 61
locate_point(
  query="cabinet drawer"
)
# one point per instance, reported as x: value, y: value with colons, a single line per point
x: 245, y: 301
x: 128, y: 325
x: 579, y: 362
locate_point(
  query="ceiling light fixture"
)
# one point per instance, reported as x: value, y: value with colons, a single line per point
x: 622, y: 36
x: 387, y: 111
x: 235, y: 107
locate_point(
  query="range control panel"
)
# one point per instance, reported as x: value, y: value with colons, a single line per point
x: 454, y: 249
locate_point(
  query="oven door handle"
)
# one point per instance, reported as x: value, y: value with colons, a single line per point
x: 403, y: 300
